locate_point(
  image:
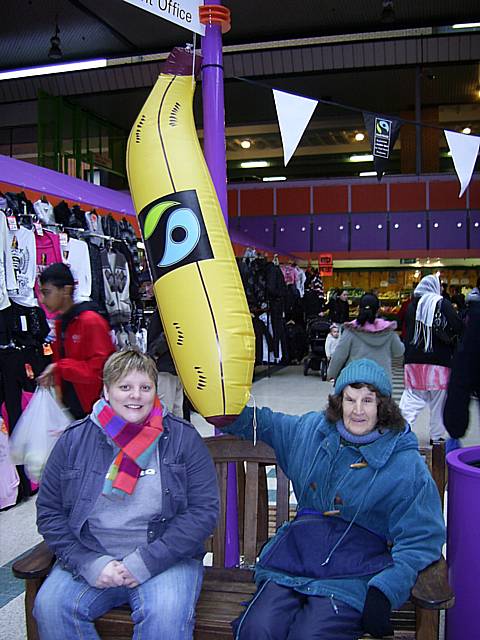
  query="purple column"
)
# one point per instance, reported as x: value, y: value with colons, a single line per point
x: 215, y: 156
x: 463, y: 553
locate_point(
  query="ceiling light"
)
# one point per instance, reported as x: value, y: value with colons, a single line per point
x: 53, y: 68
x: 55, y: 52
x: 366, y: 157
x: 359, y: 136
x: 388, y: 12
x: 274, y: 179
x: 254, y: 164
x: 367, y: 174
x: 245, y: 144
x: 466, y: 130
x: 466, y: 25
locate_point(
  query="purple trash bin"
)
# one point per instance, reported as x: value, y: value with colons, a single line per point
x: 463, y: 548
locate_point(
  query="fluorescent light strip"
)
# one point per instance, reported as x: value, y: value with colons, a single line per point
x: 254, y: 164
x: 274, y: 179
x: 53, y: 68
x: 366, y: 174
x: 466, y: 25
x: 367, y: 157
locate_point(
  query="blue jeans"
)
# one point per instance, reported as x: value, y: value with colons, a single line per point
x: 163, y: 607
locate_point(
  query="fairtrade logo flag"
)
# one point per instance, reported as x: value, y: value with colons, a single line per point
x: 293, y: 113
x: 382, y: 133
x: 464, y: 150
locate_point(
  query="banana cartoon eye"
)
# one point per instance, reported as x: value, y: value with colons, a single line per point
x: 182, y: 236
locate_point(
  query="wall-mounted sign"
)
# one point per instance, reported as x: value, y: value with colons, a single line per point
x: 346, y: 283
x: 181, y: 12
x: 384, y: 283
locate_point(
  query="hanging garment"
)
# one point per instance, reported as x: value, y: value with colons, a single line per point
x: 300, y: 278
x: 116, y: 280
x: 48, y: 252
x: 94, y: 225
x: 127, y: 234
x: 98, y: 290
x: 8, y: 280
x: 24, y: 257
x: 44, y: 211
x: 75, y: 255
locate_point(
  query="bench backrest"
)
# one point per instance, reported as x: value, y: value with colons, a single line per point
x: 257, y: 519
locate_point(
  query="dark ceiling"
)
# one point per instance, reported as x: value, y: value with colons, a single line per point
x: 335, y: 50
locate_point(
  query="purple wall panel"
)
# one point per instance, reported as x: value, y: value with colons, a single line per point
x: 330, y: 232
x: 293, y: 233
x: 474, y: 229
x: 408, y: 230
x: 259, y: 228
x: 369, y: 232
x: 448, y: 230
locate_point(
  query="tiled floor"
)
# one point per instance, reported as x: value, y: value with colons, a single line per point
x: 286, y: 390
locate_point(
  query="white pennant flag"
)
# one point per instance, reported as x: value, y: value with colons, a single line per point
x: 293, y: 113
x: 464, y: 150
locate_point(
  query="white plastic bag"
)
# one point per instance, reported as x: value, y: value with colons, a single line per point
x: 9, y: 480
x: 36, y: 432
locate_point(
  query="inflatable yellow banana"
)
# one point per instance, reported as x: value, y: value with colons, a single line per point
x: 197, y: 285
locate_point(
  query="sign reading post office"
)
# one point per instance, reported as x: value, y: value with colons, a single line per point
x: 181, y: 12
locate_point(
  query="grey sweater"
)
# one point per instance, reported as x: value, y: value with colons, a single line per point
x: 377, y: 341
x: 120, y: 525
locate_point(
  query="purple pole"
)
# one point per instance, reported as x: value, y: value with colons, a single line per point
x: 463, y: 553
x: 215, y: 156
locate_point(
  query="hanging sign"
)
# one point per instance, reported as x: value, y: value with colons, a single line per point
x: 181, y: 12
x: 383, y: 134
x: 325, y: 264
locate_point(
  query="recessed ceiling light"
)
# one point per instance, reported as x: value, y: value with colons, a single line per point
x: 466, y: 130
x: 254, y: 164
x: 366, y: 157
x: 245, y: 144
x: 274, y: 178
x: 359, y: 136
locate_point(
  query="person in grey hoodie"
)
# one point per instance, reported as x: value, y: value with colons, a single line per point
x: 367, y: 337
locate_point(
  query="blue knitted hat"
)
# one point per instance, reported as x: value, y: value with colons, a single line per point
x: 366, y: 371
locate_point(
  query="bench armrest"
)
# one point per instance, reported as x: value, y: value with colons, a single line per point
x: 431, y: 590
x: 35, y: 564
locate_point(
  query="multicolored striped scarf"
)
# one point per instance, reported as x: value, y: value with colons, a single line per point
x: 136, y: 441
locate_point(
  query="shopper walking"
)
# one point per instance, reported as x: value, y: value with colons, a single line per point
x: 433, y: 327
x: 339, y: 308
x: 367, y: 337
x: 465, y: 376
x: 82, y: 342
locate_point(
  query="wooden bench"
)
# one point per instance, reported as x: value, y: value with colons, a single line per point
x: 224, y: 590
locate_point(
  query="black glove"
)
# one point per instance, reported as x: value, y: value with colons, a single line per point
x: 376, y: 614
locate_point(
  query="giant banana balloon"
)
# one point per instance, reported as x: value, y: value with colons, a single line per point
x: 197, y: 285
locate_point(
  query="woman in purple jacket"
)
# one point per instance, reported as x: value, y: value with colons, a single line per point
x: 127, y: 499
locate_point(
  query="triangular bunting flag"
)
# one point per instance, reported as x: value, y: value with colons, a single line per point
x: 464, y: 150
x: 293, y: 113
x: 383, y: 133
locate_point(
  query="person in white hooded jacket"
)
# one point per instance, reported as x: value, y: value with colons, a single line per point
x: 367, y: 337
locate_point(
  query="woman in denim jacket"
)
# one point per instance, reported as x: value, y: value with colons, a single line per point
x: 127, y: 499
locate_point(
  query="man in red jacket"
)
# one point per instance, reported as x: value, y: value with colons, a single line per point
x: 82, y: 343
